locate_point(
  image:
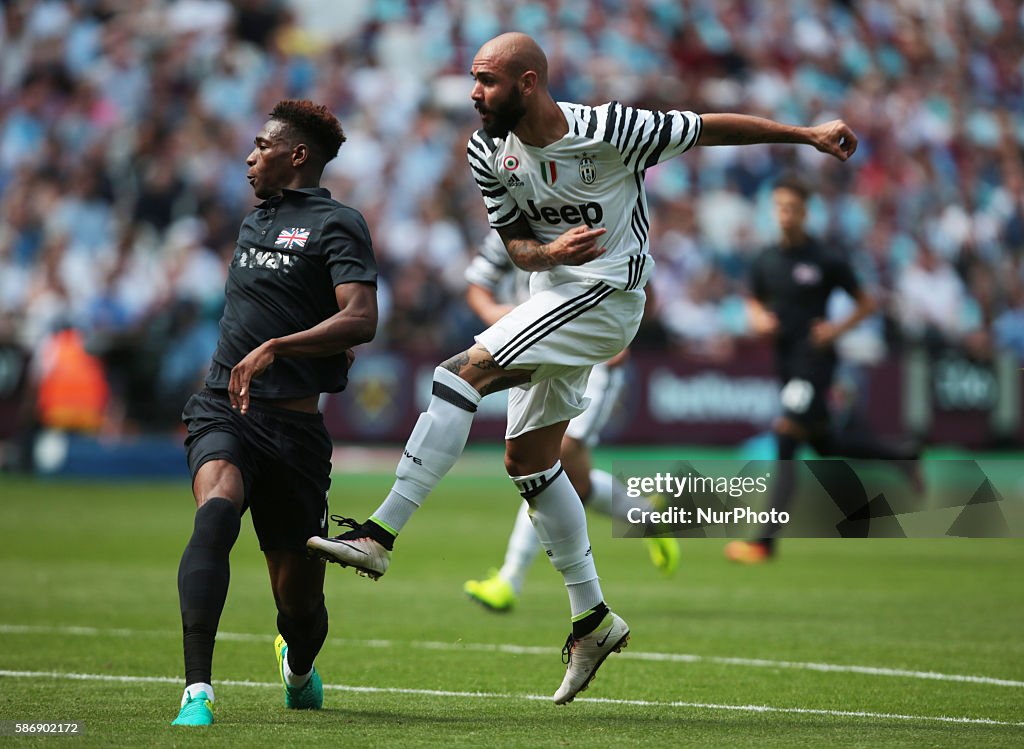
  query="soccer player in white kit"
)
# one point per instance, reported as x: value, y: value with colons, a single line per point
x: 563, y: 185
x: 494, y: 286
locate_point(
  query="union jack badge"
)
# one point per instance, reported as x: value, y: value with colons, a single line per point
x: 289, y: 238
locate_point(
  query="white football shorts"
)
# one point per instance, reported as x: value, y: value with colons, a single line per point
x: 560, y: 333
x: 603, y: 391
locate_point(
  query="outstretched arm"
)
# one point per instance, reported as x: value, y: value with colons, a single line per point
x: 834, y: 138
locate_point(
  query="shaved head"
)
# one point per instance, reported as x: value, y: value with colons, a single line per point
x: 516, y: 53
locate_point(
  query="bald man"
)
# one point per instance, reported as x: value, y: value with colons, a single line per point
x: 563, y: 186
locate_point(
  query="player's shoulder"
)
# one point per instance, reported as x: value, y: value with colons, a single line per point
x: 482, y: 144
x: 586, y: 113
x: 346, y: 217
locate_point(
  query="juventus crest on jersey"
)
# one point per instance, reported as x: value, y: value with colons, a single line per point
x: 592, y: 176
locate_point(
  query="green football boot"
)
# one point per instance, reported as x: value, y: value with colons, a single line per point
x: 310, y: 696
x: 495, y: 593
x: 197, y: 710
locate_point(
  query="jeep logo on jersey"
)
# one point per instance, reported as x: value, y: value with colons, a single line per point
x: 585, y: 213
x: 588, y: 172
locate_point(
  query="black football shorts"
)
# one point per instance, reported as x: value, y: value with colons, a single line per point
x: 806, y: 379
x: 284, y: 457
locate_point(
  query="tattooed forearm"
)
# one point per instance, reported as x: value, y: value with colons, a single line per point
x: 486, y: 364
x: 457, y: 362
x: 530, y: 255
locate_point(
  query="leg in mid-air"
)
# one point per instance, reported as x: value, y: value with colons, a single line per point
x: 298, y: 584
x: 434, y: 446
x: 203, y: 576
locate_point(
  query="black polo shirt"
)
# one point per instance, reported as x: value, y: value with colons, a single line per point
x: 795, y: 283
x: 292, y: 251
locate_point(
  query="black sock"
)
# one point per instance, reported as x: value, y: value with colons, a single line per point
x: 203, y: 577
x: 784, y: 483
x: 379, y: 534
x: 305, y: 636
x: 586, y: 625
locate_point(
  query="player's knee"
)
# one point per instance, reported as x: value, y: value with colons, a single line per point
x: 455, y: 389
x: 520, y: 462
x: 219, y: 478
x: 217, y: 523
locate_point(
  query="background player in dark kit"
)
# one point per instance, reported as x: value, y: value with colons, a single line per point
x: 301, y: 291
x: 790, y: 287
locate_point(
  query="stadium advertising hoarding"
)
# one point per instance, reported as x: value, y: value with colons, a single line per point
x: 942, y: 398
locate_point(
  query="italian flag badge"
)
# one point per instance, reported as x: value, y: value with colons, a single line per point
x: 549, y: 172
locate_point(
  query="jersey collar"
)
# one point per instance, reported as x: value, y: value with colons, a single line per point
x: 286, y: 192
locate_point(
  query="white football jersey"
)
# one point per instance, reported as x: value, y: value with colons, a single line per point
x: 593, y: 175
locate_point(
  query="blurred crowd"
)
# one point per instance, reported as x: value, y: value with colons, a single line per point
x: 124, y: 125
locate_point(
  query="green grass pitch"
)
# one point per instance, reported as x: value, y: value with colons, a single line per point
x: 844, y: 643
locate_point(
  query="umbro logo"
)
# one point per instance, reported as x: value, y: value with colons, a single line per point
x: 514, y: 181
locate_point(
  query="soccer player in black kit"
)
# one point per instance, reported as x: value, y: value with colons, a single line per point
x: 790, y: 287
x: 301, y: 292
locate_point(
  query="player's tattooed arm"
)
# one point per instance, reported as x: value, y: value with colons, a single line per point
x: 577, y: 246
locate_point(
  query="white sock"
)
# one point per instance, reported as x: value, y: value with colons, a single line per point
x: 561, y: 526
x: 436, y: 442
x: 194, y: 689
x: 608, y: 496
x: 293, y: 679
x: 523, y: 546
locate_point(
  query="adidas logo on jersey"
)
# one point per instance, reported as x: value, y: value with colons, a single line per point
x: 514, y: 181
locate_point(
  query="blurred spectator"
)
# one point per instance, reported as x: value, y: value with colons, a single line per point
x: 931, y: 300
x: 72, y: 389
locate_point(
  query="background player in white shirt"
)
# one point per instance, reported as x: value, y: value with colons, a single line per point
x: 563, y: 185
x: 495, y: 286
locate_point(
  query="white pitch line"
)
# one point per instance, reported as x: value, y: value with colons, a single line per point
x: 128, y: 679
x: 544, y: 651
